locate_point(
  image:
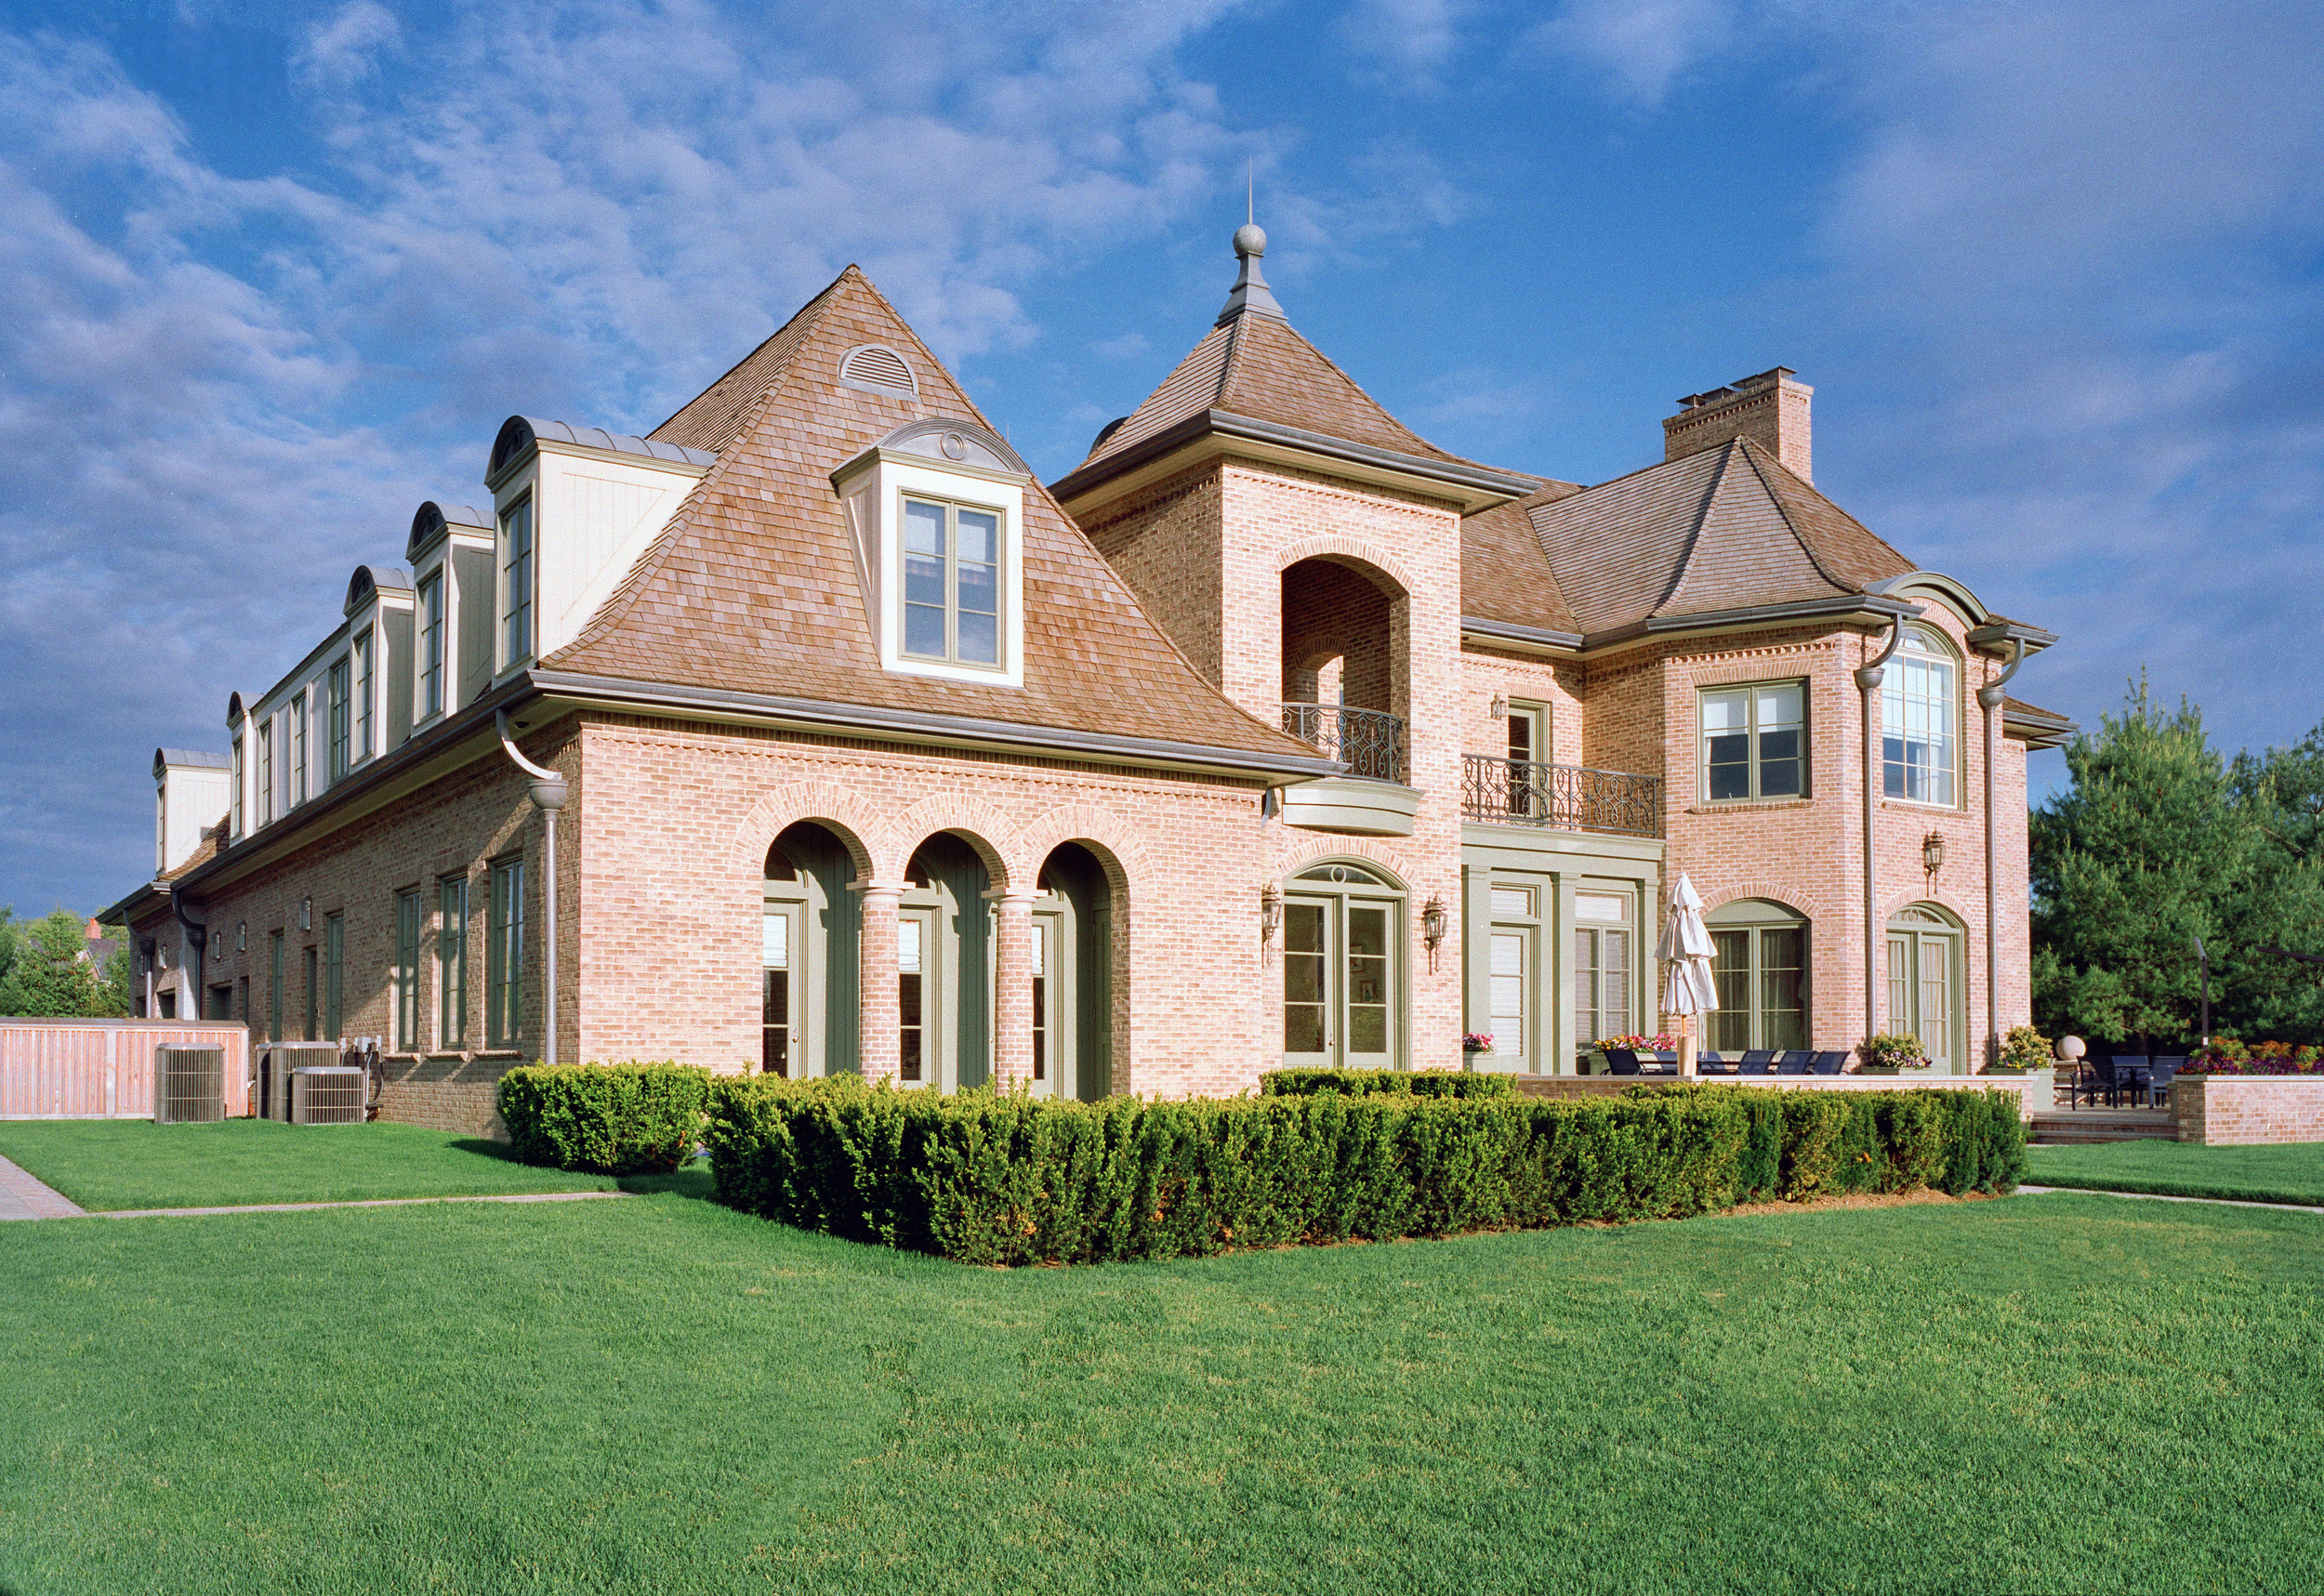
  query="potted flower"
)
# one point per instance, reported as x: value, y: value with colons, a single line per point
x: 2023, y: 1049
x: 1477, y: 1042
x: 1886, y: 1054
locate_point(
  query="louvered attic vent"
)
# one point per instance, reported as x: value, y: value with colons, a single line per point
x: 876, y: 368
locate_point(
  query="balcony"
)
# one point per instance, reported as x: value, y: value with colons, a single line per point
x: 1370, y: 741
x: 1567, y: 798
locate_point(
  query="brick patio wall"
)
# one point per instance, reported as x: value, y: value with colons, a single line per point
x: 2243, y: 1111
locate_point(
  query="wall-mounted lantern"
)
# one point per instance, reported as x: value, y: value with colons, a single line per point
x: 1932, y: 854
x: 1498, y: 708
x: 242, y: 936
x: 306, y: 914
x: 1269, y: 913
x: 1432, y: 928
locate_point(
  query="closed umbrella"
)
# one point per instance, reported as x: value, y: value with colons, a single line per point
x: 1685, y: 952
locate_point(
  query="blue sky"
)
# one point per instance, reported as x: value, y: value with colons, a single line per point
x: 275, y: 271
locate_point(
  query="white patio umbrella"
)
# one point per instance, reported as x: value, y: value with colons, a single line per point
x: 1685, y: 952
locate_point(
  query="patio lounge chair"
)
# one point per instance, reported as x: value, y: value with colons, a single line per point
x: 1797, y: 1062
x: 2158, y: 1076
x: 1831, y: 1063
x: 1710, y: 1064
x: 1758, y: 1062
x: 1621, y: 1061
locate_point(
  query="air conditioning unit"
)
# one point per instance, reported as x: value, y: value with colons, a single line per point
x: 189, y: 1085
x: 277, y: 1067
x: 329, y: 1094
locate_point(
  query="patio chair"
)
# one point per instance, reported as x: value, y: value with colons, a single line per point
x: 2158, y: 1076
x: 1797, y: 1062
x: 1711, y: 1063
x: 1830, y: 1064
x: 1758, y: 1062
x: 2113, y: 1077
x: 1666, y: 1062
x: 1621, y: 1061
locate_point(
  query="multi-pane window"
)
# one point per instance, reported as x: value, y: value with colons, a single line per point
x: 1512, y: 1019
x: 237, y: 780
x: 407, y: 918
x: 774, y: 1010
x: 338, y: 720
x: 911, y: 998
x: 1760, y: 972
x: 504, y: 955
x: 1602, y: 981
x: 1340, y: 1003
x: 452, y: 962
x: 274, y: 986
x: 266, y: 776
x: 1040, y: 1000
x: 951, y: 582
x: 1755, y: 741
x: 298, y: 750
x: 1920, y: 748
x: 334, y: 974
x: 516, y: 580
x: 366, y: 736
x: 314, y: 991
x: 431, y: 646
x: 1923, y: 994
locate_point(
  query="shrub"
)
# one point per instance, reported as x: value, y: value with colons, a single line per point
x: 1359, y: 1083
x: 613, y: 1119
x: 2026, y: 1048
x: 985, y: 1178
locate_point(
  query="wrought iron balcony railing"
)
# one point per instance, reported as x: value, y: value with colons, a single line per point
x: 1570, y: 797
x: 1371, y: 742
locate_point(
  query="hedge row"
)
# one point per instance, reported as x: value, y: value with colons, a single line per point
x: 1363, y: 1083
x: 994, y: 1180
x: 613, y: 1119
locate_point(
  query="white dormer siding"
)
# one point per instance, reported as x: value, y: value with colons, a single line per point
x: 936, y: 512
x: 191, y: 793
x: 573, y: 511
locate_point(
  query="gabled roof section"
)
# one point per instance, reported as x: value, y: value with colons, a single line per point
x: 1504, y: 577
x: 1710, y: 533
x: 752, y: 588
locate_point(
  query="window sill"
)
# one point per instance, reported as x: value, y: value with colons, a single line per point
x: 1748, y: 806
x: 1919, y: 806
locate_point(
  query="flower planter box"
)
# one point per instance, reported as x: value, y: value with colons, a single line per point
x: 2242, y: 1111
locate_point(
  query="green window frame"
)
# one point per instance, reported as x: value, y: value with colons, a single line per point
x: 452, y: 962
x: 504, y: 955
x: 1606, y: 965
x: 366, y: 736
x: 274, y: 986
x: 339, y: 727
x: 314, y: 991
x: 266, y: 773
x: 516, y: 577
x: 236, y: 804
x: 1760, y: 968
x: 407, y: 918
x: 1754, y: 741
x: 432, y: 646
x: 299, y: 749
x: 333, y: 975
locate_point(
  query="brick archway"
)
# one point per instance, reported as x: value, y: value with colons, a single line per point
x: 979, y: 824
x: 860, y: 830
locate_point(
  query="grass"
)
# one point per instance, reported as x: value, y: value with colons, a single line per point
x: 104, y: 1164
x: 2286, y: 1173
x: 2031, y: 1395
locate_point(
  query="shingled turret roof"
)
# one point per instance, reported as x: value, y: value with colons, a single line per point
x: 752, y: 587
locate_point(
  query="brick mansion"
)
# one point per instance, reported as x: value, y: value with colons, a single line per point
x: 812, y: 732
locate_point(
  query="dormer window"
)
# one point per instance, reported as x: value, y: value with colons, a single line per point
x: 515, y: 580
x: 936, y: 510
x: 432, y: 646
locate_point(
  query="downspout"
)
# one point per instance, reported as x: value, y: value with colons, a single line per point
x: 1989, y: 700
x: 548, y: 796
x: 197, y: 944
x: 1868, y: 684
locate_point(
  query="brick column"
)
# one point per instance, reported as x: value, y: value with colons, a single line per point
x: 877, y: 1013
x: 1012, y: 986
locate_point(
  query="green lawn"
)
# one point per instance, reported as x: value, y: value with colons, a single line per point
x: 136, y: 1164
x: 2031, y: 1395
x: 2292, y: 1173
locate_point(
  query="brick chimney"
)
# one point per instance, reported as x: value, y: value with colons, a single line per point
x: 1770, y: 408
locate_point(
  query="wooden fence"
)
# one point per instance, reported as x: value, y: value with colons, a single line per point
x: 104, y: 1069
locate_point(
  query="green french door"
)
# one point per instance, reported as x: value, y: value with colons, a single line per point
x: 1340, y: 1000
x: 1924, y: 998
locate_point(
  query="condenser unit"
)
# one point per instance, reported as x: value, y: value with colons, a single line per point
x: 189, y: 1085
x: 327, y: 1094
x: 277, y: 1067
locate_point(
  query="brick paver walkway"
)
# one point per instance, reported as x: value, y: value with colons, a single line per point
x: 21, y: 1197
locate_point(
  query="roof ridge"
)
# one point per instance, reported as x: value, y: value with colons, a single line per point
x: 1684, y: 562
x: 1751, y: 451
x: 826, y: 292
x: 1341, y: 371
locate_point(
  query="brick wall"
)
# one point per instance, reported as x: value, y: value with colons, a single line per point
x: 2241, y: 1111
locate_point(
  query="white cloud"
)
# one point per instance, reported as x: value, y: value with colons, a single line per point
x: 1407, y: 43
x: 1640, y: 48
x: 342, y: 50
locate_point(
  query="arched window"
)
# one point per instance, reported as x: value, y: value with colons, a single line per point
x: 1919, y: 719
x: 1342, y: 968
x: 1926, y: 976
x: 1761, y: 966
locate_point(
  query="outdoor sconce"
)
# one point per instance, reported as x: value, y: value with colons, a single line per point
x: 1498, y: 708
x: 1270, y: 914
x: 242, y: 936
x: 1932, y: 854
x: 306, y: 914
x: 1432, y: 928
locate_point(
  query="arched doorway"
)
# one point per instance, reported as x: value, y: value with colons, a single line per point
x: 810, y: 935
x: 1345, y: 682
x: 1760, y: 968
x: 1343, y: 977
x: 1927, y: 984
x: 944, y: 968
x: 1073, y: 977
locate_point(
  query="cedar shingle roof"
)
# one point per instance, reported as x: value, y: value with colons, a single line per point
x: 1503, y: 573
x: 752, y: 587
x: 1725, y: 529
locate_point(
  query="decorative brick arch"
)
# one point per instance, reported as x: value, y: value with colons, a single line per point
x: 1407, y: 870
x: 1969, y: 918
x: 861, y: 831
x: 1792, y: 895
x: 979, y: 824
x: 1115, y: 845
x: 1331, y: 544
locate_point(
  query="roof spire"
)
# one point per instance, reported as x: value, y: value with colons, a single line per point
x: 1251, y: 293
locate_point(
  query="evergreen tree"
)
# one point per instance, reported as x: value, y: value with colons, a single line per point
x: 2145, y: 852
x: 49, y: 976
x: 2266, y: 995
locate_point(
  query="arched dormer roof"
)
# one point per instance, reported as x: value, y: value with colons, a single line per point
x: 430, y: 521
x: 1949, y: 591
x: 369, y: 580
x: 945, y: 440
x: 234, y: 709
x: 519, y: 433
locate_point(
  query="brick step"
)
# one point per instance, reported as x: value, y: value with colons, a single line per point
x: 2060, y: 1129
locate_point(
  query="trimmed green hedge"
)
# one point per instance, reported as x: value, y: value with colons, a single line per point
x: 992, y: 1179
x: 613, y: 1119
x: 1362, y: 1083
